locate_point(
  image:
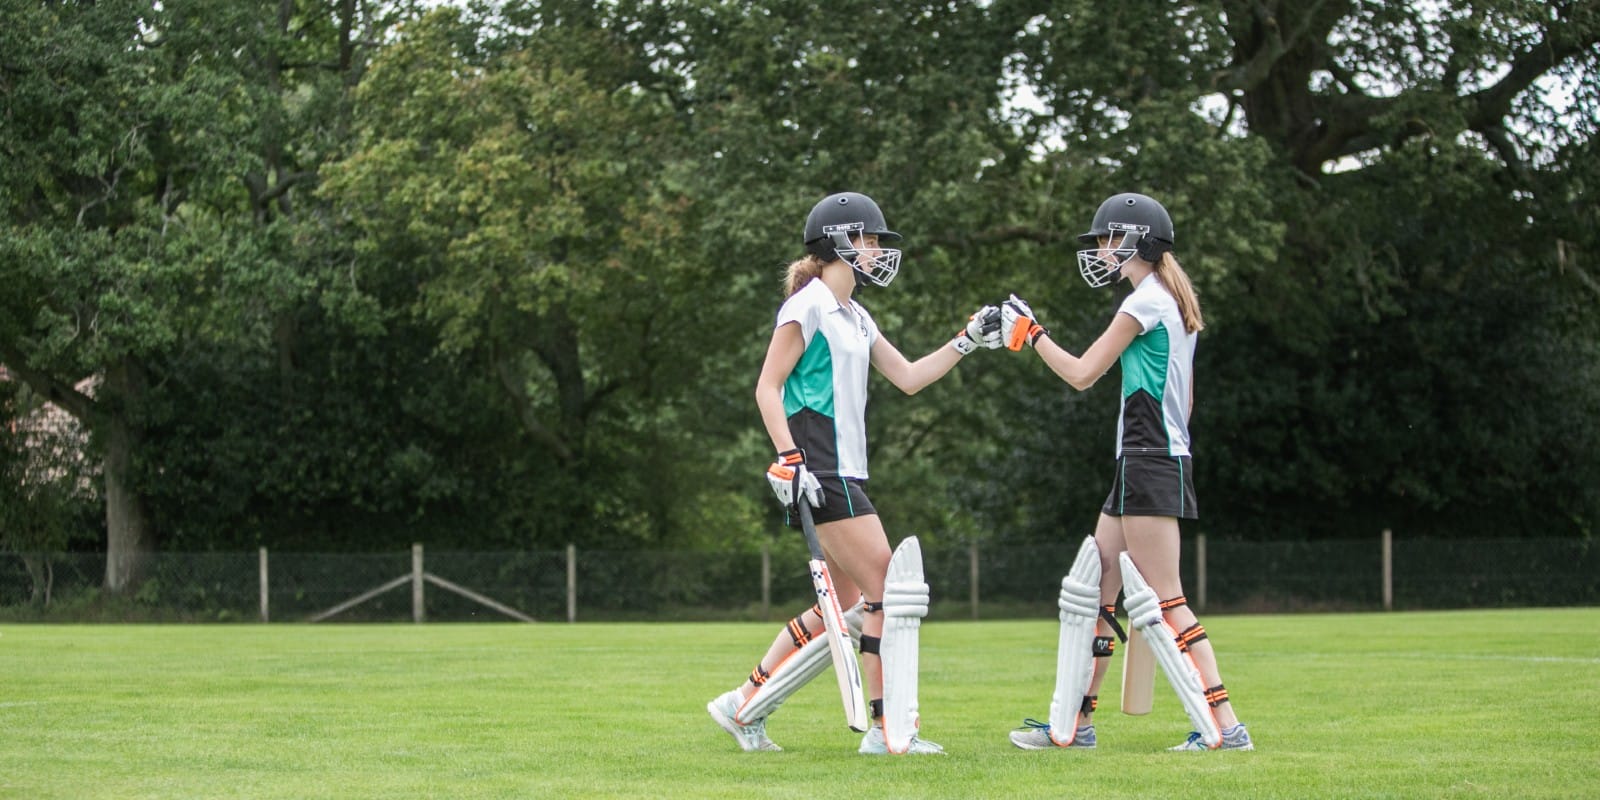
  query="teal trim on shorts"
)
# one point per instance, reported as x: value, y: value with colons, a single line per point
x: 1122, y: 484
x: 848, y: 503
x: 1180, y: 487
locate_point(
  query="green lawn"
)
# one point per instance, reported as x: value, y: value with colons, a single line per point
x: 1490, y: 704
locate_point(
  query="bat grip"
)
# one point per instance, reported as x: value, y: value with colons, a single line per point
x: 809, y: 528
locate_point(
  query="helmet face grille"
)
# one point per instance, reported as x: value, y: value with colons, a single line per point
x: 1097, y: 271
x: 1101, y: 266
x: 876, y: 264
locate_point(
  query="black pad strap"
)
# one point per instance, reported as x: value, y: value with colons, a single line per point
x: 1108, y: 613
x: 870, y: 644
x: 1104, y: 646
x: 870, y: 607
x: 1216, y: 695
x: 1190, y: 635
x: 799, y: 632
x: 1090, y: 703
x: 875, y: 708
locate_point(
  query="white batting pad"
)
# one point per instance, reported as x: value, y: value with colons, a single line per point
x: 905, y: 603
x: 794, y: 672
x: 1144, y: 612
x: 1080, y: 614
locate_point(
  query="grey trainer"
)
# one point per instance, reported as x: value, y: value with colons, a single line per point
x: 1234, y: 738
x: 1035, y: 735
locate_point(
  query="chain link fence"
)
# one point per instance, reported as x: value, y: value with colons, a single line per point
x: 606, y: 585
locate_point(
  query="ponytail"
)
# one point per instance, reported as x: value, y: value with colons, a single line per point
x: 800, y: 273
x: 1177, y: 282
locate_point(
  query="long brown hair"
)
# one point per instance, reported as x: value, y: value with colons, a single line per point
x: 1177, y: 281
x: 800, y: 273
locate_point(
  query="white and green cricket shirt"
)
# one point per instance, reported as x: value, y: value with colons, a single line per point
x: 1157, y: 375
x: 825, y: 397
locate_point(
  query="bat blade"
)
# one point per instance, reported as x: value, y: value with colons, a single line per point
x: 1138, y: 675
x: 845, y: 667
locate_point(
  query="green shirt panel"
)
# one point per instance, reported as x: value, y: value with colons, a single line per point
x: 1144, y: 364
x: 810, y: 383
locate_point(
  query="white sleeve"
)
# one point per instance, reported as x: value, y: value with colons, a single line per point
x: 800, y: 308
x: 1144, y: 307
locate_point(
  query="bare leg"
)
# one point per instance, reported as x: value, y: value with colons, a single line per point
x: 858, y: 558
x: 1153, y: 545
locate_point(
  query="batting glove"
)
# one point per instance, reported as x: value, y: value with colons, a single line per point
x: 983, y: 330
x: 1017, y: 324
x: 790, y: 479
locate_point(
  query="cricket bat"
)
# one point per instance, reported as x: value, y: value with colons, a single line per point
x: 1138, y: 674
x: 845, y: 667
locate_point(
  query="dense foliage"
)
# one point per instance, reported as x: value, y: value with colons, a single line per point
x: 353, y: 274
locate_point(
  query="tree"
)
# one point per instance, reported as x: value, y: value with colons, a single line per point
x: 1378, y: 201
x: 149, y: 196
x: 523, y: 207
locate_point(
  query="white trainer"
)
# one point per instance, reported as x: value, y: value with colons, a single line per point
x: 751, y: 736
x: 1035, y: 735
x: 873, y: 744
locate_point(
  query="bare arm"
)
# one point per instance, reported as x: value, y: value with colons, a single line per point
x: 783, y: 353
x: 912, y: 377
x: 1082, y: 372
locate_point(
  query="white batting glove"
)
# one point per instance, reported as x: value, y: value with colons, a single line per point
x: 1018, y: 326
x: 790, y: 479
x: 983, y: 330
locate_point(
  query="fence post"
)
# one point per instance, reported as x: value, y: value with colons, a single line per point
x: 1388, y: 570
x: 263, y: 584
x: 419, y: 612
x: 1200, y: 571
x: 572, y: 583
x: 972, y: 575
x: 766, y: 579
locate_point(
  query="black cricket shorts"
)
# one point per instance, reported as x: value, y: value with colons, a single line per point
x: 1152, y: 486
x: 842, y: 498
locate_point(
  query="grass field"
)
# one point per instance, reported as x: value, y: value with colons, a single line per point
x: 1489, y: 704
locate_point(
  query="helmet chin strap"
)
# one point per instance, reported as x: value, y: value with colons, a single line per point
x: 846, y: 250
x: 1121, y: 262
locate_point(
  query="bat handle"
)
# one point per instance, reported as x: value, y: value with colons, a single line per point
x: 809, y: 528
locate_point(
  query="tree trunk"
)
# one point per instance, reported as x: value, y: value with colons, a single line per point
x: 128, y: 535
x: 40, y: 575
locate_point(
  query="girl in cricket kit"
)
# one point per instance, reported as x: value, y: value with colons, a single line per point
x: 1153, y: 335
x: 812, y: 393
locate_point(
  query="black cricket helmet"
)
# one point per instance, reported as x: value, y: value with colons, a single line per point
x: 1132, y: 225
x: 835, y: 229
